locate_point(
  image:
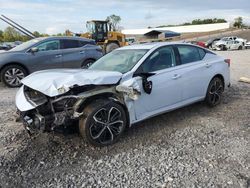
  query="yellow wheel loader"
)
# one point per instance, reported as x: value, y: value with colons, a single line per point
x: 102, y: 33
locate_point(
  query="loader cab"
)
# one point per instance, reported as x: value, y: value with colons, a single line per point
x: 98, y: 30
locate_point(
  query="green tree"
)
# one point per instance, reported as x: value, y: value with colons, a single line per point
x: 238, y: 22
x: 114, y: 21
x: 36, y: 34
x: 11, y: 35
x: 1, y: 36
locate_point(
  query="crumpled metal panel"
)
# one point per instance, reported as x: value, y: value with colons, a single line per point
x: 21, y: 102
x: 130, y: 88
x: 59, y: 81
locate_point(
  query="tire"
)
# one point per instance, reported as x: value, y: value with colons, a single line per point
x: 240, y: 48
x: 224, y: 48
x: 214, y: 92
x: 87, y: 63
x: 11, y: 75
x: 97, y: 128
x: 111, y: 46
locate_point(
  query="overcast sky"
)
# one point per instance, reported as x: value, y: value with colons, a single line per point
x: 55, y: 16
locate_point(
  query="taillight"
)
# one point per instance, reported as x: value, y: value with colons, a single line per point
x: 228, y: 61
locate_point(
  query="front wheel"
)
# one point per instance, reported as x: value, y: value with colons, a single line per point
x: 111, y: 46
x: 103, y: 123
x: 12, y: 75
x: 214, y: 92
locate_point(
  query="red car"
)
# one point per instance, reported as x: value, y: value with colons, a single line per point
x: 202, y: 44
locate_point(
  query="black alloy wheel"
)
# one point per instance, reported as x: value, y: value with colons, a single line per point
x: 214, y: 92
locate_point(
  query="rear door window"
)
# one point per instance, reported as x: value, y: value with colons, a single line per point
x: 189, y: 54
x: 67, y: 44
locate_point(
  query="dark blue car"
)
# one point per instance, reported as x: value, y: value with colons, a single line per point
x: 46, y: 53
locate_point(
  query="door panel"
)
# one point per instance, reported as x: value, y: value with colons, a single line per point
x: 166, y: 91
x: 73, y: 58
x: 45, y: 60
x: 166, y: 82
x: 195, y: 71
x: 195, y: 79
x: 74, y: 53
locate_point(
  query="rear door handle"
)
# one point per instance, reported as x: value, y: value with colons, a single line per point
x: 176, y: 76
x: 58, y: 55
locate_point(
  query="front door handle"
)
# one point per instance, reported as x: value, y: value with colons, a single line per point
x: 176, y: 76
x: 58, y: 55
x: 208, y: 65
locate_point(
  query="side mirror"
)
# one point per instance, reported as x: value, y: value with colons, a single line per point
x: 34, y: 49
x: 147, y: 85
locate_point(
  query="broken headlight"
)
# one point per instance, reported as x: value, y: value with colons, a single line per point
x: 34, y: 97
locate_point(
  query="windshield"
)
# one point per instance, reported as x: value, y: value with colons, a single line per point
x: 25, y: 45
x: 119, y: 60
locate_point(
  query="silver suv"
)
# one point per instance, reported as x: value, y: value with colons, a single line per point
x: 46, y: 53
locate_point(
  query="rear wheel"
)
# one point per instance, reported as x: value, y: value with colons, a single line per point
x: 103, y: 123
x: 12, y: 75
x: 111, y: 46
x: 240, y: 48
x: 214, y: 92
x: 87, y: 63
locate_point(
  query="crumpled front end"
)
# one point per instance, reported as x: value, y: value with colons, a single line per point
x: 42, y: 113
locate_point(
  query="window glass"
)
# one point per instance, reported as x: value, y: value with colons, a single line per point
x: 82, y: 43
x: 161, y: 59
x: 66, y: 44
x: 119, y: 60
x: 188, y: 54
x: 202, y: 53
x: 49, y: 45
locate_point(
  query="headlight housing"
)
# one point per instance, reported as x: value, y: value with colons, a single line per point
x: 34, y: 97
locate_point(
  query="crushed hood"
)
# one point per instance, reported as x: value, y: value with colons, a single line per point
x: 59, y: 81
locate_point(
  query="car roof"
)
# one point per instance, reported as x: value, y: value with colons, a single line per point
x: 65, y: 37
x: 148, y: 46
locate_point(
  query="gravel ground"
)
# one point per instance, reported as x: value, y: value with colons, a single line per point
x: 195, y: 146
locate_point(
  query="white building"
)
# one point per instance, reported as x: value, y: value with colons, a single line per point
x: 180, y: 29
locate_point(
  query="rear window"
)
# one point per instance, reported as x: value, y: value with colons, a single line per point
x: 189, y: 54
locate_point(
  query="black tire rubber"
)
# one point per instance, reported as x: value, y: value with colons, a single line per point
x: 111, y: 46
x: 87, y: 120
x: 87, y: 63
x: 240, y: 48
x: 5, y: 69
x: 224, y: 48
x: 208, y: 98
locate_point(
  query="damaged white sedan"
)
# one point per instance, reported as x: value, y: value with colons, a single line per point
x: 126, y: 86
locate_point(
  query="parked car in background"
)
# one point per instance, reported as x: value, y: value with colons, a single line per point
x: 224, y: 40
x: 198, y: 43
x: 247, y: 45
x: 126, y: 86
x: 229, y: 45
x: 210, y: 43
x: 46, y: 53
x: 201, y: 43
x: 5, y: 47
